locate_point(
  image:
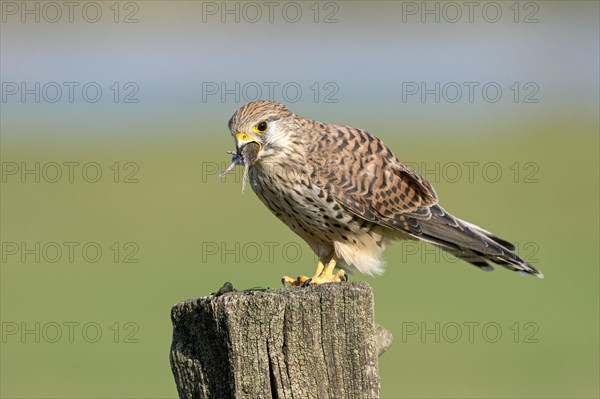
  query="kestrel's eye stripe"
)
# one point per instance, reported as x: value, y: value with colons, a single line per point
x: 273, y: 118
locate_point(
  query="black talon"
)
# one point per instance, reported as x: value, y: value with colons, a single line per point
x: 307, y: 282
x: 283, y: 281
x: 345, y: 277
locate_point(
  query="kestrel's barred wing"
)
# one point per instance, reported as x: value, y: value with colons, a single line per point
x: 365, y: 178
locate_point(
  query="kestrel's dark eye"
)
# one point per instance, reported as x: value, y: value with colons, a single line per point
x: 262, y: 126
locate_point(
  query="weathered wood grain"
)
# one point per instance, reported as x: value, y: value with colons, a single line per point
x: 296, y: 342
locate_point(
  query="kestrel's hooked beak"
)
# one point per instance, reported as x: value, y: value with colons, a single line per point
x: 241, y: 139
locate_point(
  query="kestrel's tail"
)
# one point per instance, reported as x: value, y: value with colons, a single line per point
x: 472, y: 243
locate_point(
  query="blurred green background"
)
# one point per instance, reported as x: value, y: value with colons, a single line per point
x: 180, y: 231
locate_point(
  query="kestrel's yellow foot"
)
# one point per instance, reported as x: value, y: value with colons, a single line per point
x: 300, y: 280
x: 323, y: 275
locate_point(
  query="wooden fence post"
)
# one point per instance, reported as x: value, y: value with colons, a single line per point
x: 295, y: 342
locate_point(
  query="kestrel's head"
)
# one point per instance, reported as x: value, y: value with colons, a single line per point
x: 262, y: 122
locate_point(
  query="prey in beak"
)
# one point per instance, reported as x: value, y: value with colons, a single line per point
x: 246, y: 155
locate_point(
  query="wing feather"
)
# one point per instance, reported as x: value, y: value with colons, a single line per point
x: 365, y: 178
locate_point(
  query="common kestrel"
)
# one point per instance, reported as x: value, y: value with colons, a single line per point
x: 345, y: 193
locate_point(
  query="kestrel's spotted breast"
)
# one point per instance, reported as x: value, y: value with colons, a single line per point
x: 345, y: 193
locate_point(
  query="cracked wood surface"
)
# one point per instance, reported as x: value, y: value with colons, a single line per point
x: 296, y: 342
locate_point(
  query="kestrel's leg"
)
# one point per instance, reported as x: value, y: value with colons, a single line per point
x: 323, y: 274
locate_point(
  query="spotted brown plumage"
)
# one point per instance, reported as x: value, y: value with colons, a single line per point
x: 346, y: 194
